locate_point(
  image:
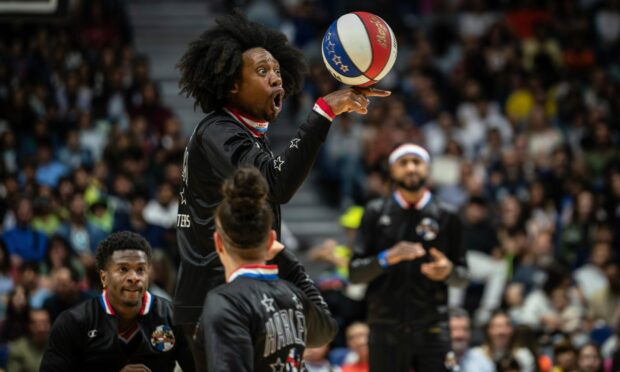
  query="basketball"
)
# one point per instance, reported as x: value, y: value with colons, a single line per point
x: 359, y: 49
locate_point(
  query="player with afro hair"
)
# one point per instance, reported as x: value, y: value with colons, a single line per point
x: 213, y: 61
x: 239, y: 72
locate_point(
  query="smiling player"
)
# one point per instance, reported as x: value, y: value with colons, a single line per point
x: 125, y: 328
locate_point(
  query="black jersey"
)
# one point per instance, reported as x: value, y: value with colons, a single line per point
x: 257, y: 322
x: 86, y: 338
x: 401, y: 294
x: 218, y: 146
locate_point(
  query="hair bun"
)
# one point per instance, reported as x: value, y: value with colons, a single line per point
x: 245, y: 192
x: 244, y: 214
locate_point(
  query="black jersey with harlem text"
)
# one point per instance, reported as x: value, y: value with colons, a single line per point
x: 258, y: 322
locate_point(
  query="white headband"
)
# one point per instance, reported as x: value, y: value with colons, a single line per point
x: 409, y: 149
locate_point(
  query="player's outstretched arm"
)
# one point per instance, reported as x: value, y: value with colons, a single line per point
x: 286, y: 171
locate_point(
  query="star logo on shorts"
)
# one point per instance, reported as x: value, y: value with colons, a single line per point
x: 344, y: 68
x: 277, y: 163
x: 337, y: 60
x: 298, y: 304
x: 278, y: 366
x: 294, y: 143
x: 267, y: 302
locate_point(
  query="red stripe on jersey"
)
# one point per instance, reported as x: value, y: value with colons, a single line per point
x: 380, y: 41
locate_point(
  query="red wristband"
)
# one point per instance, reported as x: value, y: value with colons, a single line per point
x: 323, y: 109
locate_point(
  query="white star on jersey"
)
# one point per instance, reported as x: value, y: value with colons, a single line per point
x: 294, y: 143
x: 277, y: 163
x: 278, y: 366
x: 267, y: 302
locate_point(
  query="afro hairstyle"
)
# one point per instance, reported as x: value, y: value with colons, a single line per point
x: 213, y: 62
x: 120, y: 241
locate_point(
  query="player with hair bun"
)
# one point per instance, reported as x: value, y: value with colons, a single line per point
x: 256, y: 322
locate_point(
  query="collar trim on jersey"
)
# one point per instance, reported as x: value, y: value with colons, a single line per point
x: 147, y: 303
x: 258, y: 128
x: 129, y: 334
x: 420, y: 204
x: 261, y: 272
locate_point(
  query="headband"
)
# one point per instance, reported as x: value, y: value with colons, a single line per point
x: 409, y: 149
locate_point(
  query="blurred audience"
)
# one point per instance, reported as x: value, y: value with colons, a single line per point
x: 518, y: 103
x: 357, y: 342
x: 26, y: 353
x: 500, y: 346
x: 467, y: 359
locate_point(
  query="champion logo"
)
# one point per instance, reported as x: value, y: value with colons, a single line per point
x: 93, y: 333
x: 385, y: 220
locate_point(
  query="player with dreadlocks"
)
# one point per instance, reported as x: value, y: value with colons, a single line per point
x: 239, y: 72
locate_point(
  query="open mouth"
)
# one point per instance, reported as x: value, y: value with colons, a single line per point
x: 277, y: 100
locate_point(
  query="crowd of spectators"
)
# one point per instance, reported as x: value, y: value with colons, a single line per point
x: 518, y: 103
x: 86, y: 148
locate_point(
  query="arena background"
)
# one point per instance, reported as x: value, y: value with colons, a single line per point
x: 517, y: 101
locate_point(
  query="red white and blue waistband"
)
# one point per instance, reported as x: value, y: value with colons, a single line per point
x: 420, y: 204
x: 147, y: 303
x: 261, y: 272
